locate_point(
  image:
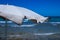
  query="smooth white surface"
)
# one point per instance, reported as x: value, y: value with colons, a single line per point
x: 17, y: 14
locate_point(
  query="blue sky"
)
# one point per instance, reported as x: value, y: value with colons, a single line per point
x: 43, y: 7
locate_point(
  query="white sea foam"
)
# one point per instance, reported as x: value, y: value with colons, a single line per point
x: 43, y: 33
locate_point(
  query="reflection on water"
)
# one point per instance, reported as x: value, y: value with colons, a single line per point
x: 28, y: 31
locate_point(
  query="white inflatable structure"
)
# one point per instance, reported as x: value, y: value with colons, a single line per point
x: 17, y: 14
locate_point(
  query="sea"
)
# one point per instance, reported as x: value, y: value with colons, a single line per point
x: 32, y: 31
